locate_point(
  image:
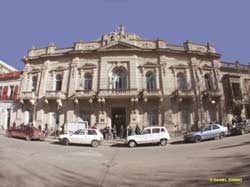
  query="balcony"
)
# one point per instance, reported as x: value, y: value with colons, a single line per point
x: 152, y: 93
x: 212, y: 93
x: 118, y: 93
x: 27, y: 95
x: 186, y: 93
x: 84, y: 93
x: 53, y: 94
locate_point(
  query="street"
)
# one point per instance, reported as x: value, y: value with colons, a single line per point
x: 39, y: 164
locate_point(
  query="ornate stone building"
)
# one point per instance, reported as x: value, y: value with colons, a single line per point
x: 9, y: 88
x: 121, y: 79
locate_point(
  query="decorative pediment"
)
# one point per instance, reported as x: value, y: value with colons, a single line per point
x: 178, y: 66
x: 87, y: 66
x: 120, y: 45
x: 59, y: 68
x: 207, y: 67
x: 150, y: 65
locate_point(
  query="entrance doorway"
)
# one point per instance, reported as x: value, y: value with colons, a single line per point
x: 118, y: 120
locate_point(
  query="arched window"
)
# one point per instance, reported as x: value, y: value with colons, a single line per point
x: 209, y: 82
x: 182, y: 81
x: 119, y: 79
x: 88, y: 81
x: 34, y: 83
x: 58, y: 82
x: 151, y: 81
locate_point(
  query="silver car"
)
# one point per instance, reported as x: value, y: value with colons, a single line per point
x: 210, y: 132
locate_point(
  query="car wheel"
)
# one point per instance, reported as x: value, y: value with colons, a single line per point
x: 65, y: 141
x: 197, y: 139
x: 8, y: 134
x: 242, y: 131
x: 131, y: 143
x: 95, y: 143
x: 221, y: 135
x: 163, y: 142
x: 28, y: 138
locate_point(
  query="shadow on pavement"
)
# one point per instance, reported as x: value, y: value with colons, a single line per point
x: 230, y: 146
x: 180, y: 142
x: 71, y: 145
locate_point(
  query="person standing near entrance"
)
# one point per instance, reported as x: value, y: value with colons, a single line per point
x: 137, y: 129
x: 129, y: 130
x: 122, y: 131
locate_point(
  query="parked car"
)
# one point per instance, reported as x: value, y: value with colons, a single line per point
x: 240, y: 129
x: 210, y: 132
x: 82, y: 136
x: 25, y: 131
x: 149, y: 135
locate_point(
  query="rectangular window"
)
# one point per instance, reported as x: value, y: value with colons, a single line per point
x: 153, y: 118
x: 236, y: 90
x: 155, y: 130
x: 1, y: 91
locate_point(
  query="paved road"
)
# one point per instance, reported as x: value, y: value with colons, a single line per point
x: 45, y: 164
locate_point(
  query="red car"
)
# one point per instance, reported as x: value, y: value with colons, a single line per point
x: 25, y: 131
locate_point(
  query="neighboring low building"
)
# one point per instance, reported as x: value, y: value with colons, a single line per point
x: 235, y: 78
x: 9, y: 88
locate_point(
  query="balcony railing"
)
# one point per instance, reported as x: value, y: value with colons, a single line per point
x: 212, y: 93
x: 28, y: 95
x: 84, y: 93
x: 53, y: 94
x: 118, y: 92
x: 152, y: 93
x: 188, y: 92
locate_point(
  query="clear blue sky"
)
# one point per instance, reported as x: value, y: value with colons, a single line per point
x: 27, y: 23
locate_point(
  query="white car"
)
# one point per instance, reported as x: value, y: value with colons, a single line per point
x: 149, y: 135
x: 83, y: 136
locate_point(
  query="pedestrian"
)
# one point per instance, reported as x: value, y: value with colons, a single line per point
x: 129, y: 130
x: 39, y: 127
x: 114, y: 132
x: 62, y: 132
x: 46, y: 130
x: 94, y: 126
x: 14, y: 124
x: 137, y: 129
x: 122, y: 132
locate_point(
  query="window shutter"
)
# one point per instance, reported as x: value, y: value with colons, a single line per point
x: 15, y: 95
x: 5, y: 92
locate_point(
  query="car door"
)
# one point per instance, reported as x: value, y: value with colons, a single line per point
x: 206, y: 133
x: 19, y: 131
x: 91, y: 135
x: 156, y: 135
x: 215, y: 131
x: 145, y: 137
x: 77, y: 137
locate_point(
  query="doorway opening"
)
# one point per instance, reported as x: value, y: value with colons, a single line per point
x: 118, y: 121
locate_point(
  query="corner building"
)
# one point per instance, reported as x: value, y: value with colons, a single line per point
x: 121, y: 79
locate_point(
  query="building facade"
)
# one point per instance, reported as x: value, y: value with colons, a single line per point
x: 9, y: 88
x: 121, y: 79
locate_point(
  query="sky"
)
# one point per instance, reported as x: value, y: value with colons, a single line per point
x: 28, y: 23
